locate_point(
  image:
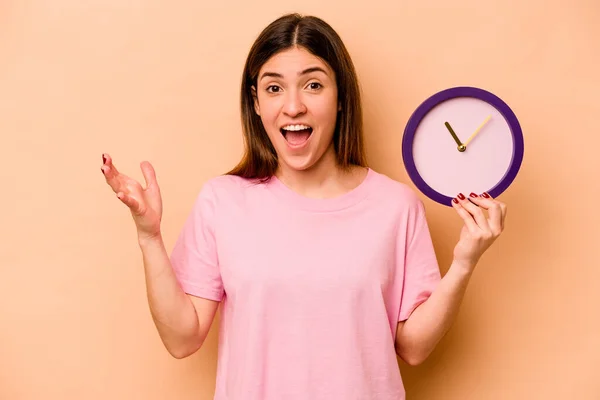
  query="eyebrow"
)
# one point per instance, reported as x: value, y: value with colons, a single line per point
x: 304, y: 72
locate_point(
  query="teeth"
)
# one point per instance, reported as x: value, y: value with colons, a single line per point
x: 295, y: 127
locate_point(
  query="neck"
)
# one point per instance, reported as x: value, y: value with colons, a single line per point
x: 325, y: 179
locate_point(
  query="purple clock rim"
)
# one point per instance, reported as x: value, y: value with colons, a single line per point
x: 447, y: 94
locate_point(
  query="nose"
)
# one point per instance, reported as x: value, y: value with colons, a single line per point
x: 294, y: 105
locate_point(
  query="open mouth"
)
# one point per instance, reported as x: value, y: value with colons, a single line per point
x: 296, y: 134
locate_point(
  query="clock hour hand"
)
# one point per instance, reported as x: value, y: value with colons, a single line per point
x: 461, y: 147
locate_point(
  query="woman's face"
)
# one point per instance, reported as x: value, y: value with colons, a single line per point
x: 296, y: 98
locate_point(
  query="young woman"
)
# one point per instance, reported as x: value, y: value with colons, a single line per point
x: 324, y: 268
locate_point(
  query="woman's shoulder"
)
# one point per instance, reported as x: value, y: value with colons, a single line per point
x: 227, y: 181
x: 228, y: 187
x: 396, y: 198
x: 394, y: 189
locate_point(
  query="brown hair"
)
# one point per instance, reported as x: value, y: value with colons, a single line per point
x: 319, y: 38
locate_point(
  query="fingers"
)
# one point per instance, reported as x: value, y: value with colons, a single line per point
x: 465, y: 215
x: 130, y: 202
x: 110, y: 172
x: 108, y: 165
x: 149, y: 175
x: 476, y: 212
x: 496, y: 210
x: 128, y: 190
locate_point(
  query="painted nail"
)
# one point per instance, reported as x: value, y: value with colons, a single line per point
x: 461, y: 196
x: 486, y: 195
x: 103, y: 159
x: 473, y: 194
x: 455, y: 200
x: 102, y: 169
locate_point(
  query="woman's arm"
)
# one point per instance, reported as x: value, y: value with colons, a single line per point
x: 182, y: 321
x: 418, y: 336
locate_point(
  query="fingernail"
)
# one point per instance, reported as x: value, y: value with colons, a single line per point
x: 486, y: 195
x: 455, y: 200
x: 473, y: 194
x: 461, y: 196
x: 103, y: 159
x: 102, y: 169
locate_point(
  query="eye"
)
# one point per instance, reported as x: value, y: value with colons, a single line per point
x: 273, y: 87
x: 315, y: 85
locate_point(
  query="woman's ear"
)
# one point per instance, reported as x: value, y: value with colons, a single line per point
x: 255, y: 98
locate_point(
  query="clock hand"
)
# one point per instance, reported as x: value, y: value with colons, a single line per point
x: 461, y: 147
x: 477, y: 130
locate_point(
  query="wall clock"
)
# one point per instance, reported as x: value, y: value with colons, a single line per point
x: 462, y: 140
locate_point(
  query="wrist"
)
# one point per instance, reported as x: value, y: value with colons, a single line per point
x: 463, y: 266
x: 145, y: 239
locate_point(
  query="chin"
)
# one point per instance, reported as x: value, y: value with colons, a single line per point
x: 298, y: 163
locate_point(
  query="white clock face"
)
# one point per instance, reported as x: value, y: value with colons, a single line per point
x: 487, y: 138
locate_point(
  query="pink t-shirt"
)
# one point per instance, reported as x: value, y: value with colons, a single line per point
x: 311, y: 289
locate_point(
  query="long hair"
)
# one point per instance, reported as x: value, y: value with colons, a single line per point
x: 316, y: 36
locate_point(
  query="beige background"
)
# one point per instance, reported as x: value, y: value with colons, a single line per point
x: 159, y: 81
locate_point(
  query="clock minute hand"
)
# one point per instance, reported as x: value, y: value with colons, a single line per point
x: 477, y: 130
x: 461, y: 147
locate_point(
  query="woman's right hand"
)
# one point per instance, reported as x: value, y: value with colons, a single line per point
x: 145, y: 204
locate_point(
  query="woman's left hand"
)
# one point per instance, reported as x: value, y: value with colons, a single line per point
x: 480, y: 230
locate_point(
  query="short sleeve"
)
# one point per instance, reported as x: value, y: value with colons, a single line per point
x: 194, y: 255
x: 421, y: 269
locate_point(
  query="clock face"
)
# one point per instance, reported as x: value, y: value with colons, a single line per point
x: 462, y: 140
